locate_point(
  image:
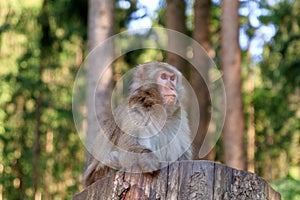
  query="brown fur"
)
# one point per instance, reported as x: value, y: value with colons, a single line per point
x: 143, y: 131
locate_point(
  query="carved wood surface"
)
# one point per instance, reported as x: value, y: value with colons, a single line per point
x: 182, y: 180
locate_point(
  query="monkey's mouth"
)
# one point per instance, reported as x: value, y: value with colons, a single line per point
x: 169, y: 99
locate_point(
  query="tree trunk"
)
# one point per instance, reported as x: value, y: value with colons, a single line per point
x: 199, y: 83
x: 251, y: 127
x: 234, y: 148
x: 182, y: 180
x: 100, y: 79
x: 45, y: 44
x: 176, y: 20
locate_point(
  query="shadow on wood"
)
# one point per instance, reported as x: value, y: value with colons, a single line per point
x: 182, y: 180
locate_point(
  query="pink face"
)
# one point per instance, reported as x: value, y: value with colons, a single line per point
x: 167, y: 84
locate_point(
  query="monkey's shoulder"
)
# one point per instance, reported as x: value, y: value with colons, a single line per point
x: 111, y: 129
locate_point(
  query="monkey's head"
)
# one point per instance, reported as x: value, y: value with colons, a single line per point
x: 162, y: 76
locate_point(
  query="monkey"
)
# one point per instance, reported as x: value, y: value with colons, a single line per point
x: 150, y: 127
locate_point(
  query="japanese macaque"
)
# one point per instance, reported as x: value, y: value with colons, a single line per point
x: 149, y: 128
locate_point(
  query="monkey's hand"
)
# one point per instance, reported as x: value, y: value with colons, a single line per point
x: 146, y: 95
x: 139, y: 160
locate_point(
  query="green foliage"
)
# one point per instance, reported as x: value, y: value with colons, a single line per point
x: 123, y: 14
x: 42, y: 45
x: 276, y: 97
x: 289, y: 188
x: 38, y: 63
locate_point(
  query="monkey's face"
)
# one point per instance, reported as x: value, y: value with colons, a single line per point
x: 167, y: 86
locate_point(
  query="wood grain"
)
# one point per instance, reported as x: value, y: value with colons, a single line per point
x: 182, y: 180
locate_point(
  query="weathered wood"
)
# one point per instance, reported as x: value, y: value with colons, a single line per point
x: 182, y: 180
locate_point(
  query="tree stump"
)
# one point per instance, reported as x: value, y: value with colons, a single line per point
x: 182, y: 180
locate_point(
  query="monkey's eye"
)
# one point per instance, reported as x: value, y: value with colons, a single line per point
x: 163, y: 76
x: 172, y: 78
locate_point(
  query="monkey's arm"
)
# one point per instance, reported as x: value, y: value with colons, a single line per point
x: 103, y: 153
x: 137, y: 157
x: 186, y: 156
x: 117, y: 150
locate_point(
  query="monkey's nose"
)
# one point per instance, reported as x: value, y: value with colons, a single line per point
x: 171, y: 86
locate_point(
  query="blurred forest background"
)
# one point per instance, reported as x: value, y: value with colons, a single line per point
x: 43, y: 43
